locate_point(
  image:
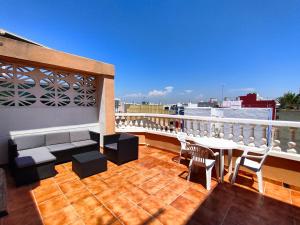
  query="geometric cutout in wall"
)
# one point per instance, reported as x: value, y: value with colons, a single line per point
x: 19, y: 98
x: 82, y: 100
x: 52, y: 84
x: 20, y: 81
x: 50, y: 99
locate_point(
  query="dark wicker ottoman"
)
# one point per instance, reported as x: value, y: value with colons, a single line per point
x: 88, y: 163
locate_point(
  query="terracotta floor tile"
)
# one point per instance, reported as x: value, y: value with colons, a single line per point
x: 178, y: 187
x: 70, y: 186
x: 166, y: 195
x: 185, y: 205
x: 277, y: 192
x: 194, y: 195
x: 171, y: 216
x: 100, y: 217
x: 97, y: 187
x: 19, y: 198
x: 107, y: 195
x: 90, y: 180
x: 66, y: 215
x: 120, y: 206
x: 136, y: 195
x: 60, y: 168
x: 152, y: 205
x: 86, y: 205
x: 65, y: 177
x: 77, y: 195
x: 136, y: 216
x: 45, y: 193
x: 295, y: 198
x: 23, y: 216
x: 53, y: 205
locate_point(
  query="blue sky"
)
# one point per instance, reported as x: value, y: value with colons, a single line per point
x: 170, y: 50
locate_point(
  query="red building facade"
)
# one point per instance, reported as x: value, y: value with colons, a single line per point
x: 250, y: 101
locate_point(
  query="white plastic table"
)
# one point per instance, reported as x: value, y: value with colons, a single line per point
x: 220, y: 144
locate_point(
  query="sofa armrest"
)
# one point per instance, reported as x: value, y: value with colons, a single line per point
x: 128, y: 144
x: 12, y: 152
x: 110, y: 139
x: 95, y: 136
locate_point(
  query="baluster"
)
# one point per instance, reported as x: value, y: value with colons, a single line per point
x: 231, y: 132
x: 146, y: 123
x: 136, y: 123
x: 205, y: 132
x: 120, y: 122
x: 213, y: 130
x: 241, y: 136
x: 221, y: 132
x: 264, y: 137
x: 185, y: 126
x: 130, y: 121
x: 191, y: 133
x: 168, y: 125
x: 292, y: 143
x: 141, y: 122
x: 252, y: 136
x: 276, y: 142
x: 198, y: 128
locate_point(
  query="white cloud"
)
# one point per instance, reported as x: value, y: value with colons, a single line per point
x: 134, y: 95
x: 249, y: 89
x: 188, y: 91
x: 160, y: 93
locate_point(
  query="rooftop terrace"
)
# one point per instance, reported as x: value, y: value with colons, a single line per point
x: 150, y: 190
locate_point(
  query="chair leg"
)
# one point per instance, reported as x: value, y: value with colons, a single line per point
x: 208, y: 177
x: 236, y: 170
x: 260, y: 181
x: 217, y: 168
x: 190, y: 170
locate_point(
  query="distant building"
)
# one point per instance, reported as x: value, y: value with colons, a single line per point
x: 147, y: 108
x: 254, y: 101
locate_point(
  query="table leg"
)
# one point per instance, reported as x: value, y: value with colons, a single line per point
x: 221, y: 165
x: 229, y: 161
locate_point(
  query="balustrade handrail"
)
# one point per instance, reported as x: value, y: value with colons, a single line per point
x: 277, y: 123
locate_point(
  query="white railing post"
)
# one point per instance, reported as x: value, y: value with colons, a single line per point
x: 292, y: 143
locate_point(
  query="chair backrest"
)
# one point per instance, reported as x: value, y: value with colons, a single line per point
x: 264, y: 156
x: 182, y: 139
x: 199, y: 154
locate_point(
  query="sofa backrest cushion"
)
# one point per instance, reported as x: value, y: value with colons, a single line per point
x: 58, y: 138
x: 30, y: 141
x: 80, y: 135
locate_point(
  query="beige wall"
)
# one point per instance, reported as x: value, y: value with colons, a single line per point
x: 36, y: 55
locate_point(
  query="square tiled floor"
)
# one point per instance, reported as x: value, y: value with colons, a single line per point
x: 150, y: 190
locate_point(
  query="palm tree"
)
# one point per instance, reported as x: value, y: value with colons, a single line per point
x: 289, y: 100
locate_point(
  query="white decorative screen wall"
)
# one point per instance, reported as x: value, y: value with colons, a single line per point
x: 22, y: 85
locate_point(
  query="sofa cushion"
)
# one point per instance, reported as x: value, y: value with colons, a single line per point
x: 84, y: 143
x: 29, y: 142
x: 33, y: 156
x: 80, y: 135
x: 113, y: 146
x: 57, y: 138
x: 60, y: 147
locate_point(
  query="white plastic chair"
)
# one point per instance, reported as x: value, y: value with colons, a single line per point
x: 255, y: 166
x: 201, y: 156
x: 183, y: 143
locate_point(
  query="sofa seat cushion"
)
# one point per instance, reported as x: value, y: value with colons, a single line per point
x: 60, y: 147
x: 84, y: 143
x: 113, y: 146
x: 34, y: 156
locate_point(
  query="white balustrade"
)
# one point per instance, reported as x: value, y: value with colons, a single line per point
x: 228, y: 128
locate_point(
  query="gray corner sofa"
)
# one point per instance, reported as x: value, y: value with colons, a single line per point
x: 32, y: 157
